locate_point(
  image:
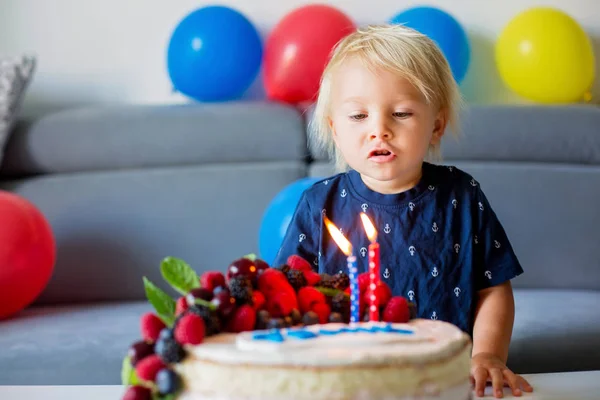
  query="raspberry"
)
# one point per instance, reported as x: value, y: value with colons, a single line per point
x: 364, y: 280
x: 296, y: 279
x: 383, y: 294
x: 396, y: 310
x: 299, y: 263
x: 258, y: 300
x: 181, y: 306
x: 212, y: 322
x: 149, y: 367
x: 151, y: 325
x: 270, y: 281
x: 323, y: 310
x: 242, y: 320
x: 281, y: 304
x: 137, y: 393
x: 211, y: 279
x: 312, y: 278
x: 190, y: 329
x: 308, y: 296
x: 240, y: 288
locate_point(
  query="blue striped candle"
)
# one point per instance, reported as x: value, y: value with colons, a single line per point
x: 354, y: 291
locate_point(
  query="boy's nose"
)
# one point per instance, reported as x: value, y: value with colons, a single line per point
x: 382, y: 133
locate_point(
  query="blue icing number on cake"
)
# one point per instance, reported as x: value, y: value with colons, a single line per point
x: 275, y: 335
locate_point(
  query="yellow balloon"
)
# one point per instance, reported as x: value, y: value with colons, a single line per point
x: 544, y: 55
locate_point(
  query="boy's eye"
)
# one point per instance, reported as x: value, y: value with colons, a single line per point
x: 358, y: 117
x: 402, y: 114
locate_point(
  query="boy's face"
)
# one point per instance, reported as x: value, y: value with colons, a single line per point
x: 382, y: 125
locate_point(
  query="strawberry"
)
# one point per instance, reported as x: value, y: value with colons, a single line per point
x: 396, y: 310
x: 299, y: 263
x: 147, y: 368
x: 308, y: 296
x: 258, y: 299
x: 181, y: 306
x: 190, y: 329
x: 312, y: 277
x: 281, y: 304
x: 151, y: 325
x: 211, y: 279
x: 242, y: 320
x: 322, y: 310
x: 137, y: 393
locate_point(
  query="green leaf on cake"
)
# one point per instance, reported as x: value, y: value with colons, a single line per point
x: 330, y: 292
x: 251, y: 257
x: 128, y: 375
x: 161, y: 301
x: 204, y: 303
x: 179, y: 275
x: 158, y: 396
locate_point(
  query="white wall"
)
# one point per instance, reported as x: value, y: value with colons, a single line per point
x: 105, y: 51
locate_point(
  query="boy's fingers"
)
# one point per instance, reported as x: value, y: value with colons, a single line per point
x: 480, y: 375
x: 513, y: 382
x: 497, y: 382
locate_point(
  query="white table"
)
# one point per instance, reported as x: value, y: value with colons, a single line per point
x: 556, y: 386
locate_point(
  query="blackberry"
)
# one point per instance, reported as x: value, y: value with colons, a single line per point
x: 276, y: 323
x: 340, y: 303
x: 326, y: 281
x: 335, y: 317
x: 310, y: 318
x: 296, y: 316
x: 212, y: 322
x: 167, y: 381
x: 262, y: 320
x: 240, y: 289
x: 296, y: 279
x: 288, y: 322
x: 169, y: 350
x: 283, y: 268
x: 340, y: 281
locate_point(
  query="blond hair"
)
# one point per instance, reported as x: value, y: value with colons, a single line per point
x: 396, y: 48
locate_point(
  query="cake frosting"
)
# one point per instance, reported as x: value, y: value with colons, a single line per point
x: 262, y: 333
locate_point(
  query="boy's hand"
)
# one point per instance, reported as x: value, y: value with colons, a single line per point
x: 487, y: 367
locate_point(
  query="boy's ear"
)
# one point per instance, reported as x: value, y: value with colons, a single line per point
x: 439, y: 127
x: 330, y: 122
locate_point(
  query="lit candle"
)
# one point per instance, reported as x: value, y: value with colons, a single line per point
x: 373, y: 266
x: 346, y: 248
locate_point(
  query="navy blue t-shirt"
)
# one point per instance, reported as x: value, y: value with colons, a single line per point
x: 440, y: 242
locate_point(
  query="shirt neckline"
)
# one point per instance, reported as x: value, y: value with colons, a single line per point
x: 397, y: 199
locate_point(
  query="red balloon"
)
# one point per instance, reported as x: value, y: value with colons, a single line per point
x: 297, y: 50
x: 27, y: 253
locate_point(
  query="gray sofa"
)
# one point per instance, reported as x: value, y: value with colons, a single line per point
x: 125, y: 186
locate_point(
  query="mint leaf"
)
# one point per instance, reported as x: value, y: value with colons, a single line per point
x: 128, y: 375
x: 179, y: 275
x: 330, y: 292
x: 162, y: 302
x: 207, y: 304
x: 158, y: 396
x: 251, y: 256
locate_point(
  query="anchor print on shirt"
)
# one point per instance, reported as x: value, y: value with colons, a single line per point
x: 301, y: 237
x: 476, y: 239
x: 411, y: 295
x: 326, y: 181
x: 473, y: 183
x: 431, y: 187
x: 344, y: 193
x: 480, y: 206
x: 457, y: 291
x: 488, y: 274
x: 364, y: 207
x: 454, y: 203
x: 412, y: 250
x: 363, y: 251
x: 435, y: 227
x: 451, y: 168
x: 434, y: 316
x: 386, y: 273
x: 411, y: 206
x: 496, y: 244
x: 387, y: 228
x: 457, y: 248
x: 435, y: 272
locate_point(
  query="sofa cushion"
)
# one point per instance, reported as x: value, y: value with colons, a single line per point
x: 555, y: 331
x: 138, y: 136
x: 71, y: 345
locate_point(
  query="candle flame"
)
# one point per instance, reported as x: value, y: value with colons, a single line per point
x: 338, y: 237
x: 369, y: 227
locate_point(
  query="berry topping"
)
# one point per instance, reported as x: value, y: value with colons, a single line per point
x: 151, y: 326
x: 224, y: 302
x: 296, y: 279
x: 240, y: 288
x: 137, y: 393
x: 308, y: 296
x: 167, y: 381
x: 396, y: 310
x: 242, y: 267
x: 281, y: 304
x: 169, y: 350
x: 271, y: 281
x: 212, y: 322
x: 199, y: 293
x: 181, y: 305
x: 276, y: 323
x: 310, y: 318
x: 312, y: 278
x: 340, y: 281
x: 298, y: 263
x: 211, y: 279
x: 149, y: 367
x: 335, y: 317
x: 190, y: 329
x: 242, y: 320
x: 363, y: 282
x: 258, y: 300
x: 283, y: 268
x: 383, y: 294
x: 140, y: 350
x: 296, y: 316
x: 322, y: 310
x: 262, y: 319
x: 260, y: 265
x: 340, y: 303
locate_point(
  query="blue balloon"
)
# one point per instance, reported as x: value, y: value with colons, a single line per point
x: 214, y: 54
x: 278, y: 216
x: 443, y: 29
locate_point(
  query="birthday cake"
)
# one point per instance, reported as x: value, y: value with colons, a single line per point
x: 262, y: 333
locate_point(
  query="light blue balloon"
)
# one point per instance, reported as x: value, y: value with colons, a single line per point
x: 214, y: 54
x: 443, y: 29
x: 278, y: 215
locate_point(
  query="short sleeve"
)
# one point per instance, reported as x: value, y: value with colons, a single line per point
x: 495, y: 261
x: 302, y: 235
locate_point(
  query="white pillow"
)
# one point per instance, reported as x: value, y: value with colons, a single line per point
x: 15, y: 75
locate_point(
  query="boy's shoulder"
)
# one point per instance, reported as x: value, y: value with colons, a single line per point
x: 324, y: 185
x: 453, y: 176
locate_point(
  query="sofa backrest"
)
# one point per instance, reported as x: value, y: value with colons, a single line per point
x: 540, y: 169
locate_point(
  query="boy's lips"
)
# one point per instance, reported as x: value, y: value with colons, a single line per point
x: 381, y: 155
